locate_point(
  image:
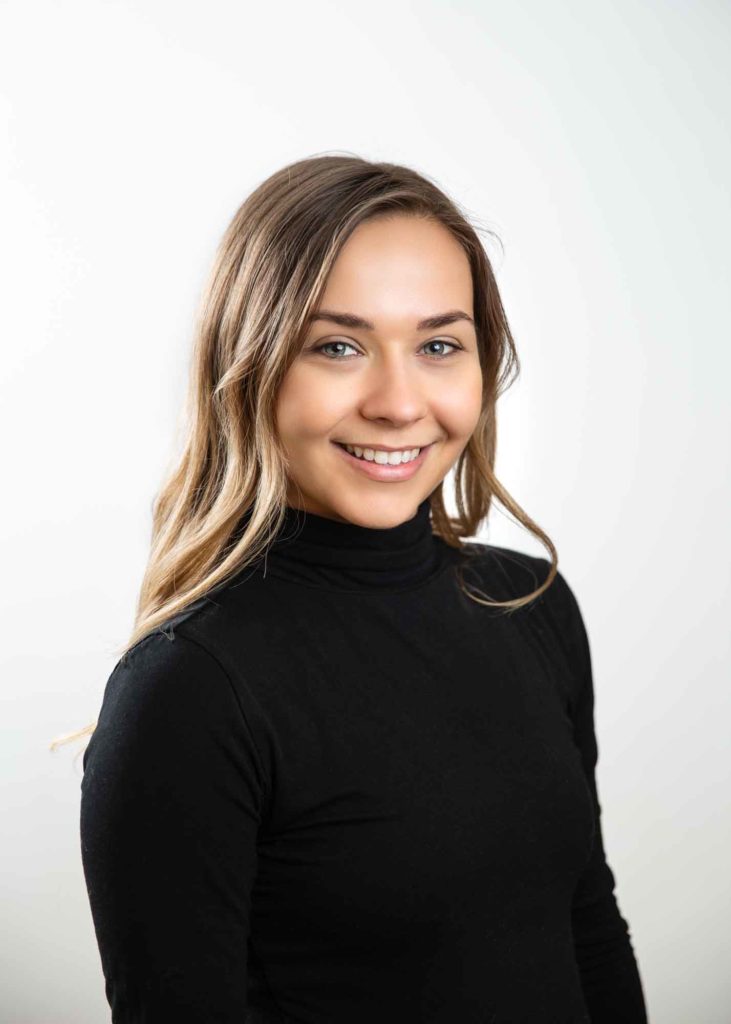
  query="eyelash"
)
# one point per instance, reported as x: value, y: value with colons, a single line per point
x: 434, y: 341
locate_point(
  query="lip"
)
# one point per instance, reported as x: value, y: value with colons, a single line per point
x: 383, y: 447
x: 376, y: 471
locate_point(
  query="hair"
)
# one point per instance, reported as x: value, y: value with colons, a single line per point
x: 267, y: 277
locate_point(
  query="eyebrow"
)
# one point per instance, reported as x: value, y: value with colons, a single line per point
x: 429, y: 323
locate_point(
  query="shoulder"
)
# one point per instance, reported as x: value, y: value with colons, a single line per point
x: 520, y: 571
x: 507, y: 573
x: 514, y: 573
x: 235, y: 609
x: 163, y: 682
x: 169, y: 708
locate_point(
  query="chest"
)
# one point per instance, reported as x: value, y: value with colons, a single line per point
x: 424, y: 765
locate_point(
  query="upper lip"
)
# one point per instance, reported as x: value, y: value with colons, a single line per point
x: 384, y: 447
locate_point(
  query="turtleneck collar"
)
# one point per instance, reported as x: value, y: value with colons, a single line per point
x: 317, y: 551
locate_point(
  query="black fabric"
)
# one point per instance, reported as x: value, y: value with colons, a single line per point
x: 339, y: 790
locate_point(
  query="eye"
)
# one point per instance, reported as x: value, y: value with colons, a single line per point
x: 436, y: 341
x: 320, y: 348
x: 443, y: 341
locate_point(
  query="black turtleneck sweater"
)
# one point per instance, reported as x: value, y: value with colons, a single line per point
x: 336, y: 789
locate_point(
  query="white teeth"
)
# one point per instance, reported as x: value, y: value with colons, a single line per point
x: 381, y: 457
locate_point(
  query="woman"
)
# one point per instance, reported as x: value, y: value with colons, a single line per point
x: 344, y: 769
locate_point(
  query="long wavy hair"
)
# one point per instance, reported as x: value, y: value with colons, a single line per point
x: 267, y: 277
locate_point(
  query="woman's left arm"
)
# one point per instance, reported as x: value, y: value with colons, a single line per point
x: 604, y: 954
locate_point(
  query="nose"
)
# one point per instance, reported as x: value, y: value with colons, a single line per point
x: 394, y: 391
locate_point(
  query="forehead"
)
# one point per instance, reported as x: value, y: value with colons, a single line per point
x: 399, y: 266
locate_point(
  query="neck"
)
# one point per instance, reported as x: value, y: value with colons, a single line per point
x: 318, y: 551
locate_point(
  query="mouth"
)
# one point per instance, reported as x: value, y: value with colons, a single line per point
x: 377, y: 463
x: 383, y: 454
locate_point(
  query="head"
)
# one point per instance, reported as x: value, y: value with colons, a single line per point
x: 389, y: 359
x: 350, y: 302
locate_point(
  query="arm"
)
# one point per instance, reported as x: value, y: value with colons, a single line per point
x: 609, y: 973
x: 172, y: 797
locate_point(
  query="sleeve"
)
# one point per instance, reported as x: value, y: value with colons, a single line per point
x: 171, y: 800
x: 604, y: 954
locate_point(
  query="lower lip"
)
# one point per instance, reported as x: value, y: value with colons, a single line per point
x: 377, y: 471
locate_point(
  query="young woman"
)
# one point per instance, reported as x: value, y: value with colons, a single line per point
x: 344, y: 770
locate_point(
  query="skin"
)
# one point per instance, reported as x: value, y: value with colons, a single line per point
x: 394, y: 385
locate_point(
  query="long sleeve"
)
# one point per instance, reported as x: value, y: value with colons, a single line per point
x: 605, y: 957
x: 172, y: 798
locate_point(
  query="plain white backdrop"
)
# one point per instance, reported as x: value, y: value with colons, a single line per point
x: 594, y: 139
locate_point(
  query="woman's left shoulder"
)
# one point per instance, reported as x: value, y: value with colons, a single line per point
x: 511, y: 574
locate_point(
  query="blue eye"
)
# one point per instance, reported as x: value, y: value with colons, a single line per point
x: 437, y: 341
x: 320, y: 348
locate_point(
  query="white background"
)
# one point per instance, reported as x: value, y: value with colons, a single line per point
x: 594, y: 138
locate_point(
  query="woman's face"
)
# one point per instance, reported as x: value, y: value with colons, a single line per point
x: 371, y: 374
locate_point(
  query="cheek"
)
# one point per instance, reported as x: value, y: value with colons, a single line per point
x: 308, y: 405
x: 459, y: 408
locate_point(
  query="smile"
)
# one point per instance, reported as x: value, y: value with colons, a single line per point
x: 379, y: 464
x: 381, y: 456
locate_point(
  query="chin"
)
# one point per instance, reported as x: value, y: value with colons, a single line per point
x: 380, y: 514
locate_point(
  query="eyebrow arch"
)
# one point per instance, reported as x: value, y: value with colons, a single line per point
x: 429, y: 323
